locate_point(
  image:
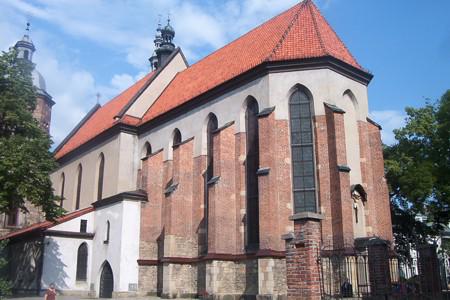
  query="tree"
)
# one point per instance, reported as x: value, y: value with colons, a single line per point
x: 25, y: 159
x: 418, y: 174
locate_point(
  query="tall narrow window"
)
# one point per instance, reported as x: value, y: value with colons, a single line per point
x: 211, y: 127
x: 251, y: 167
x: 108, y: 228
x: 302, y: 151
x: 78, y: 195
x: 63, y: 182
x: 101, y: 171
x: 82, y: 261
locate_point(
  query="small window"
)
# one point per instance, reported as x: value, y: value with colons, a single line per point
x: 176, y: 137
x: 12, y: 218
x: 108, y: 226
x: 101, y: 172
x: 79, y: 179
x: 83, y: 226
x: 26, y: 54
x: 82, y: 257
x: 63, y: 182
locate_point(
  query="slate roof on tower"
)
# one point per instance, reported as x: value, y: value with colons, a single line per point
x: 299, y: 33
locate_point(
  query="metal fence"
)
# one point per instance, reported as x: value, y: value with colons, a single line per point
x: 347, y: 274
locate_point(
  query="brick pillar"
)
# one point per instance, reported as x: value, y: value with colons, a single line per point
x: 379, y: 274
x: 341, y: 202
x: 428, y: 270
x: 302, y: 254
x: 151, y: 228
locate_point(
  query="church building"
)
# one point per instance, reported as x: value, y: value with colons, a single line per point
x: 186, y: 183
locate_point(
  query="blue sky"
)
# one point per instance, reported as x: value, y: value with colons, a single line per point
x: 89, y: 46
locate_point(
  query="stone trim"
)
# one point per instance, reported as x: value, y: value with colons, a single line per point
x: 374, y: 123
x: 343, y: 168
x: 170, y: 189
x: 152, y: 154
x: 69, y: 234
x: 213, y: 180
x: 183, y: 142
x: 266, y: 112
x: 263, y: 253
x: 334, y: 108
x: 263, y: 171
x: 307, y: 216
x: 138, y: 195
x: 226, y: 125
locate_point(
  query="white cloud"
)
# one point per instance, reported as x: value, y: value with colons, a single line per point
x: 389, y: 120
x: 122, y: 29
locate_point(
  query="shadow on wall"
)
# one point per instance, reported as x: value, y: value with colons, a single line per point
x: 54, y: 270
x: 24, y: 265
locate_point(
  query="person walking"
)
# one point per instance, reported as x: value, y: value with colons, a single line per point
x: 51, y: 292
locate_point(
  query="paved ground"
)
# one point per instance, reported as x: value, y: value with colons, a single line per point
x: 77, y: 298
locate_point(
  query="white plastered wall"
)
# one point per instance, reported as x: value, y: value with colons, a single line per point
x: 271, y: 90
x: 146, y: 99
x: 60, y: 256
x: 122, y: 250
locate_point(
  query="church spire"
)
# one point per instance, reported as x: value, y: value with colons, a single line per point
x: 25, y: 47
x: 163, y: 44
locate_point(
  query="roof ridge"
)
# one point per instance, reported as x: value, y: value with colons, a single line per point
x: 286, y: 32
x: 316, y: 28
x: 332, y: 29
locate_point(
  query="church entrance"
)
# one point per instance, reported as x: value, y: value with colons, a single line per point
x: 106, y: 282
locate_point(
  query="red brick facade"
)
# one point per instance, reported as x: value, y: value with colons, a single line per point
x: 174, y: 230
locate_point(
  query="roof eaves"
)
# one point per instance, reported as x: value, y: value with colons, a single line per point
x: 77, y: 127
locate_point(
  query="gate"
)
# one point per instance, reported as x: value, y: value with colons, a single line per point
x: 355, y: 274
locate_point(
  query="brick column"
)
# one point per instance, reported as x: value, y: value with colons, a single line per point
x: 151, y: 228
x: 302, y: 254
x: 341, y: 203
x: 428, y: 270
x: 379, y: 274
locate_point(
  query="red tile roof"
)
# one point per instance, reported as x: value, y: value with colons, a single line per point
x: 47, y: 224
x: 102, y: 119
x: 300, y: 32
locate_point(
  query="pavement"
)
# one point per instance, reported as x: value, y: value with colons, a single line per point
x: 77, y: 298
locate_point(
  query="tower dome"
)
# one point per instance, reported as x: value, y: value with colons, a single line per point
x: 38, y: 81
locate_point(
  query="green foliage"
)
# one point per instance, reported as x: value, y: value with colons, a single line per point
x: 418, y: 173
x: 25, y: 159
x: 5, y: 285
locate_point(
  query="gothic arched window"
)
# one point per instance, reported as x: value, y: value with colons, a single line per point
x: 147, y: 149
x: 211, y: 127
x: 302, y: 151
x: 63, y: 182
x: 79, y: 179
x: 251, y: 168
x: 101, y: 171
x: 176, y: 137
x: 82, y: 262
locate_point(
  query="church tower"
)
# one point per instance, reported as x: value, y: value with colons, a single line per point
x: 164, y: 45
x: 43, y: 110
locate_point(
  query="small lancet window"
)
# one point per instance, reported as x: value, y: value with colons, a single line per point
x: 101, y: 171
x: 63, y: 182
x: 78, y: 194
x: 108, y: 227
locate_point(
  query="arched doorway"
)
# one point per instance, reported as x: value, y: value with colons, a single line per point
x: 106, y: 281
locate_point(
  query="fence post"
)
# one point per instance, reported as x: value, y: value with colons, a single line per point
x: 379, y: 273
x: 428, y: 267
x: 302, y: 257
